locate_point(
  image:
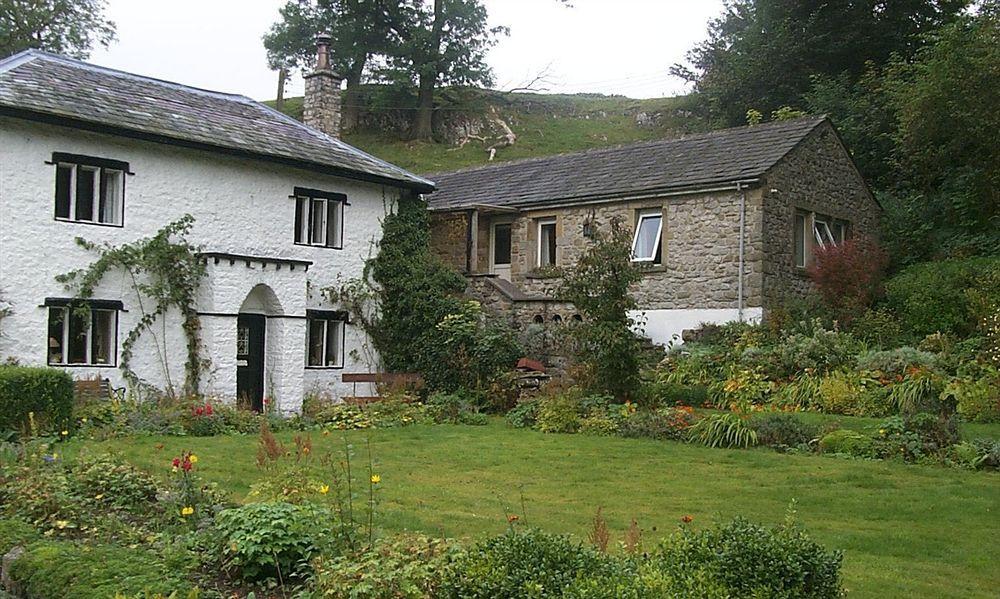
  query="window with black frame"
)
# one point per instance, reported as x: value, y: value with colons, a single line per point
x: 82, y: 333
x: 325, y: 338
x: 89, y: 189
x: 319, y: 218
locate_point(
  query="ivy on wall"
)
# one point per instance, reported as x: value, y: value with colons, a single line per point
x: 165, y: 272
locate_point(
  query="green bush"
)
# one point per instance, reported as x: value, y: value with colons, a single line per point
x: 401, y: 567
x: 47, y: 393
x: 558, y: 413
x: 265, y: 540
x: 944, y: 296
x: 896, y: 362
x: 753, y: 561
x: 116, y: 482
x: 977, y: 400
x: 847, y: 442
x: 818, y: 350
x: 523, y: 415
x: 654, y: 394
x: 519, y: 564
x: 781, y: 430
x: 920, y: 391
x: 455, y: 408
x: 80, y: 571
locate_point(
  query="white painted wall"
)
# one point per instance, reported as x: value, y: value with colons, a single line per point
x: 240, y: 206
x: 665, y: 326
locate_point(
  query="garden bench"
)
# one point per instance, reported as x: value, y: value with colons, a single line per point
x: 97, y: 388
x: 392, y: 380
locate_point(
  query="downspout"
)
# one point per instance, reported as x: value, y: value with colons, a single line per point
x: 743, y: 217
x: 468, y: 241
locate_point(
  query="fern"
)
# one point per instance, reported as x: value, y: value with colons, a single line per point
x: 724, y: 430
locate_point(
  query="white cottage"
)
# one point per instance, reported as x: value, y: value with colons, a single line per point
x: 281, y: 211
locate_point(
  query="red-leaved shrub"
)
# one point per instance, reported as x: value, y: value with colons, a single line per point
x: 849, y: 276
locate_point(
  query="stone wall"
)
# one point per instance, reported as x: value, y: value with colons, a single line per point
x: 818, y: 176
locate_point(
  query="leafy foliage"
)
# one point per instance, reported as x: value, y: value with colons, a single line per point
x: 848, y: 276
x: 776, y: 429
x: 598, y: 285
x: 268, y: 540
x: 70, y: 27
x: 724, y: 430
x: 166, y: 270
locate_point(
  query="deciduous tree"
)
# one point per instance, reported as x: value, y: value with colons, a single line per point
x: 70, y: 27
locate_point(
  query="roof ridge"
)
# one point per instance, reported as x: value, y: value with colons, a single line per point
x: 33, y: 53
x: 636, y: 144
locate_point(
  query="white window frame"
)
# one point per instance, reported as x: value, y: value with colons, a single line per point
x: 544, y: 222
x: 95, y: 215
x: 307, y: 233
x: 89, y: 335
x: 818, y: 231
x: 804, y: 231
x: 339, y: 329
x: 647, y: 214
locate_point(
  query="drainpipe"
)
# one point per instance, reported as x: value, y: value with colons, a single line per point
x: 743, y: 217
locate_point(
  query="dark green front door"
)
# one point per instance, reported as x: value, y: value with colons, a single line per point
x: 250, y: 360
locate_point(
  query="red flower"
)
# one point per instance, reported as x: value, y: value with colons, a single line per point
x: 186, y: 466
x: 208, y: 409
x: 176, y: 463
x: 199, y: 411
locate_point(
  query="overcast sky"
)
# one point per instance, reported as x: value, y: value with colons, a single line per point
x: 608, y: 46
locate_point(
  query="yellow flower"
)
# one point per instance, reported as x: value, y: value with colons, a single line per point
x: 64, y: 433
x: 55, y: 456
x: 376, y: 479
x: 62, y: 524
x: 99, y: 496
x: 84, y: 419
x: 881, y: 431
x: 187, y: 510
x: 324, y: 489
x: 193, y: 459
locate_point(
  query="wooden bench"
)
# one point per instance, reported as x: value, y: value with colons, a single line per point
x: 391, y: 381
x: 96, y: 389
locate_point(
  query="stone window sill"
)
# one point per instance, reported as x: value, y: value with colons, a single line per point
x: 655, y: 269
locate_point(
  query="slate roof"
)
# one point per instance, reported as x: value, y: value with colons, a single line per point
x: 53, y: 88
x: 690, y: 162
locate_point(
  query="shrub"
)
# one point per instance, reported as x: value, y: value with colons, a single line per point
x: 847, y: 442
x: 723, y: 430
x: 919, y: 391
x: 524, y: 414
x: 344, y: 417
x: 896, y: 362
x: 455, y: 408
x: 915, y: 436
x: 47, y: 393
x: 878, y: 328
x: 559, y: 413
x: 401, y: 567
x: 742, y: 389
x: 599, y: 285
x: 77, y: 570
x: 753, y: 561
x: 976, y: 400
x: 519, y: 564
x: 944, y: 296
x: 838, y: 392
x: 115, y: 482
x: 848, y: 276
x: 665, y: 423
x: 265, y: 540
x: 469, y: 350
x: 776, y: 429
x: 654, y: 394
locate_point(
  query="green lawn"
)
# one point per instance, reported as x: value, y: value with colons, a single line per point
x: 907, y: 531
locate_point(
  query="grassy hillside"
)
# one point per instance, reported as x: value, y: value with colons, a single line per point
x: 545, y: 124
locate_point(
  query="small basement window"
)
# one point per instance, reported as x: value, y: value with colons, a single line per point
x: 326, y: 339
x: 89, y: 190
x: 648, y: 233
x: 82, y: 335
x: 319, y: 218
x: 547, y: 242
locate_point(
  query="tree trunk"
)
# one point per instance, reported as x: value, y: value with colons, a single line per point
x: 279, y: 101
x: 429, y: 69
x: 423, y: 121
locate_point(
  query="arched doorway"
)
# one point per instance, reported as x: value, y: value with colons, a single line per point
x: 252, y: 343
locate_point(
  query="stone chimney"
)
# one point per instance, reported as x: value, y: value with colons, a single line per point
x: 321, y: 109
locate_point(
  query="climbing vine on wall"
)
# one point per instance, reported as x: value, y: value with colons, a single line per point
x: 165, y: 272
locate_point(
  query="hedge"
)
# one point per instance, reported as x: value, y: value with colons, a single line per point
x: 46, y: 392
